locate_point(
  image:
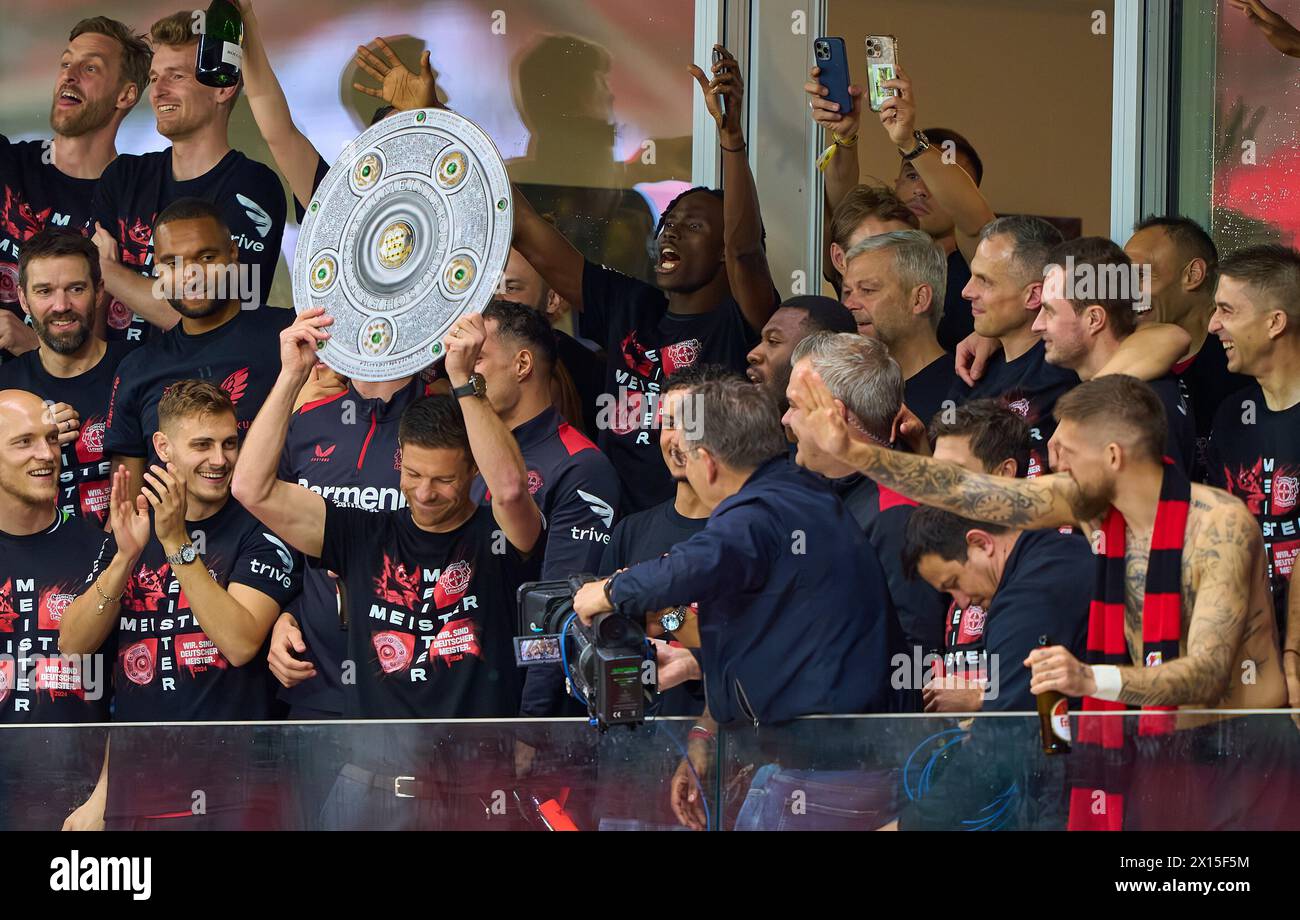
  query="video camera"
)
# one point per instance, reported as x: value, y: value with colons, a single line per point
x: 608, y: 666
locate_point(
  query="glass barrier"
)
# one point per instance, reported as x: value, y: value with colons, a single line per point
x: 1236, y: 127
x: 1209, y: 771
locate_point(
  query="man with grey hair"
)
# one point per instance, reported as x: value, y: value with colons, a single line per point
x: 793, y: 611
x: 1006, y: 292
x: 868, y: 388
x: 894, y: 285
x: 799, y: 623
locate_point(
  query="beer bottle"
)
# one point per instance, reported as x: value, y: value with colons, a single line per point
x: 221, y: 46
x: 1053, y: 716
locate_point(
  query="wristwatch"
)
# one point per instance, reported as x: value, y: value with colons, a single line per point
x: 922, y: 145
x: 673, y: 619
x: 183, y: 556
x: 476, y: 386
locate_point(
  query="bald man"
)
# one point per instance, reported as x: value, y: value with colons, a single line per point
x: 44, y: 555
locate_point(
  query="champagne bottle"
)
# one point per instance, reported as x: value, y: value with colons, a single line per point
x: 221, y: 46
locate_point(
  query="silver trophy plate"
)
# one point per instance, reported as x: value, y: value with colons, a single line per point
x: 409, y: 231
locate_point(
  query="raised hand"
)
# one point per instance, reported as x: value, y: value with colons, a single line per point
x: 129, y: 519
x: 827, y: 113
x: 105, y: 243
x: 824, y: 422
x: 1280, y: 34
x: 464, y: 343
x: 726, y: 82
x: 67, y: 420
x: 301, y: 341
x: 898, y: 113
x: 400, y: 86
x: 166, y: 492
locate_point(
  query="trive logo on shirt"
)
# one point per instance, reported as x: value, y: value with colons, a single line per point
x: 430, y: 609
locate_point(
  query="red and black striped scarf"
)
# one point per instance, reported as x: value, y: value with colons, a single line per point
x: 1105, y: 743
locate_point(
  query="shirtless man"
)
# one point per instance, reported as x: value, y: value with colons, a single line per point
x: 1108, y: 453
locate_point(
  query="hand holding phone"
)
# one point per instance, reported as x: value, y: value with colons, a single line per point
x: 833, y: 71
x: 718, y: 58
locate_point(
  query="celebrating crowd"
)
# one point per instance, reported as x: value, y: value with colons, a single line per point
x: 1056, y: 465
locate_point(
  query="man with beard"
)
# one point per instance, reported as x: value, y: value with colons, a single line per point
x: 59, y: 288
x: 713, y: 293
x: 41, y: 550
x: 795, y: 320
x: 1158, y: 537
x: 894, y: 285
x: 1082, y: 328
x: 191, y: 600
x: 103, y: 73
x: 216, y: 339
x: 200, y: 164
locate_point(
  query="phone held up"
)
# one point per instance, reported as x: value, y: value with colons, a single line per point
x: 833, y: 63
x: 882, y: 65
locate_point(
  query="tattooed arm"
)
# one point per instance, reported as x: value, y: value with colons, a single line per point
x: 1049, y: 501
x: 1224, y: 557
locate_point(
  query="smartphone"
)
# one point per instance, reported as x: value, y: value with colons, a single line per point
x: 882, y: 65
x: 726, y: 105
x: 833, y: 61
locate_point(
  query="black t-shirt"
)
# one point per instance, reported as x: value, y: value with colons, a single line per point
x: 957, y: 321
x: 85, y: 477
x: 575, y: 487
x: 925, y: 391
x: 1254, y: 453
x: 1031, y: 387
x: 431, y: 616
x: 242, y: 357
x: 1206, y: 382
x: 136, y: 188
x: 587, y: 369
x: 648, y: 535
x: 1180, y: 439
x: 167, y: 668
x: 40, y: 574
x: 343, y: 448
x: 35, y: 193
x: 646, y: 344
x: 883, y: 514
